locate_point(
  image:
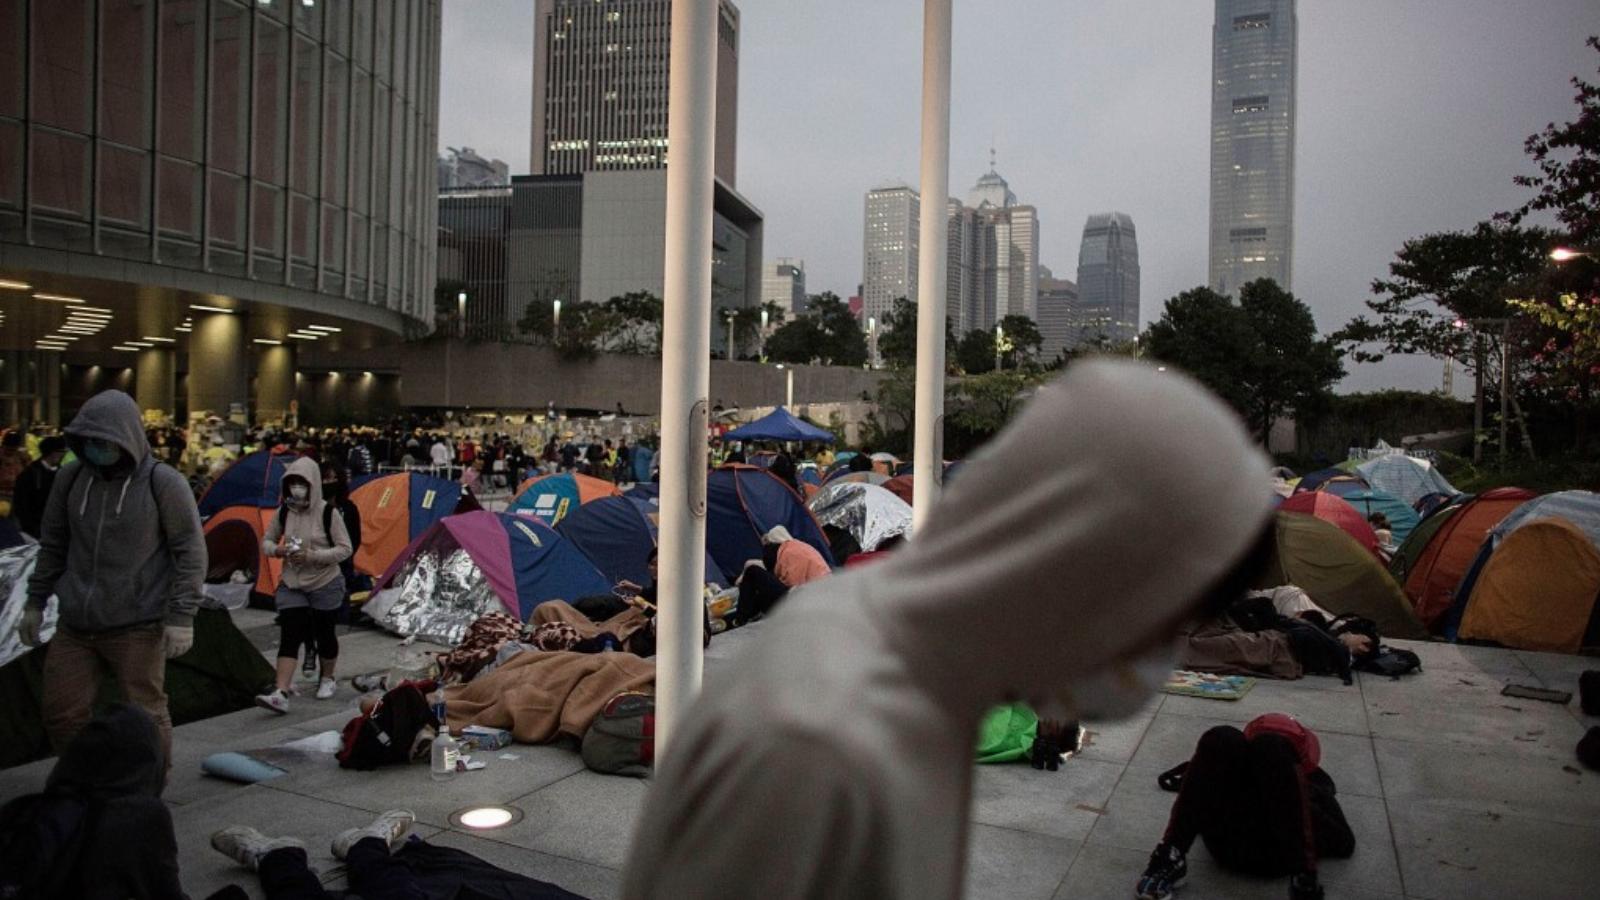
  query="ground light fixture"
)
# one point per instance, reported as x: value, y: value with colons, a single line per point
x: 485, y: 818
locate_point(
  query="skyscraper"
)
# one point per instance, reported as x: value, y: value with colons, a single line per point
x: 889, y: 249
x: 1108, y: 279
x: 1252, y: 142
x: 600, y: 73
x: 1058, y: 302
x: 784, y: 282
x: 464, y: 168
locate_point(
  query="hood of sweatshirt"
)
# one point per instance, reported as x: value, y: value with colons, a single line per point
x: 1078, y: 539
x: 307, y: 468
x: 110, y: 416
x: 118, y: 754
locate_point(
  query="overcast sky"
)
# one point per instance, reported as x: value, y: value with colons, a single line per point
x: 1411, y: 119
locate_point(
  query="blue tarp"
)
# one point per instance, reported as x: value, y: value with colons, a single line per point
x: 742, y: 504
x: 252, y: 481
x: 779, y: 425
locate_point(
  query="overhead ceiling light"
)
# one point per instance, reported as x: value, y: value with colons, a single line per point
x: 160, y: 340
x: 62, y: 337
x: 216, y: 309
x: 140, y: 344
x: 50, y: 345
x: 269, y: 342
x: 183, y: 330
x: 123, y: 347
x: 329, y: 329
x: 305, y: 337
x: 69, y: 329
x: 10, y: 285
x: 58, y: 298
x: 79, y: 312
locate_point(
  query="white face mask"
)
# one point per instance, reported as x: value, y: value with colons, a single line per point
x: 1115, y: 692
x: 300, y: 492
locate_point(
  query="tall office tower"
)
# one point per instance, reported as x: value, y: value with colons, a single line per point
x: 1252, y: 143
x: 889, y: 249
x: 1108, y: 279
x: 464, y: 168
x: 960, y: 285
x: 784, y: 282
x: 1058, y: 301
x: 1004, y: 254
x: 600, y: 72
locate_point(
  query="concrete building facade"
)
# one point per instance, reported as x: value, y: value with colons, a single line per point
x: 889, y: 244
x: 1253, y: 70
x: 464, y: 168
x: 220, y: 180
x: 600, y: 74
x: 783, y: 283
x: 1108, y: 280
x: 1058, y: 304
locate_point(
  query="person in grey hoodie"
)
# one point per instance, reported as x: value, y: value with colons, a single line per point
x: 311, y: 539
x: 121, y: 548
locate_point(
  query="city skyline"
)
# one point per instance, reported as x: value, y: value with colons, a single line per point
x: 1409, y: 122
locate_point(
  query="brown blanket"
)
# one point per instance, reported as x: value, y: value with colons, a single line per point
x: 621, y: 626
x: 540, y: 695
x: 1222, y: 648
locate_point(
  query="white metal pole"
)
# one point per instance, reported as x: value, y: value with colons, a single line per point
x: 927, y: 452
x: 685, y: 361
x: 788, y: 390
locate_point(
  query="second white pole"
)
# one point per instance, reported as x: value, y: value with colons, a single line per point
x: 927, y: 453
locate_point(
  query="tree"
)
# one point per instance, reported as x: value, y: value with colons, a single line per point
x: 1021, y: 340
x: 1263, y: 356
x: 826, y: 333
x: 975, y: 352
x: 1568, y: 159
x: 584, y: 326
x: 747, y: 335
x: 985, y: 403
x: 897, y: 336
x: 799, y: 341
x: 632, y: 324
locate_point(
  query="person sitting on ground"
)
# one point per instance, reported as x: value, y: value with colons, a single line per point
x: 910, y: 648
x: 310, y: 536
x: 1380, y: 527
x: 380, y: 862
x: 100, y: 830
x: 1261, y: 804
x: 785, y: 564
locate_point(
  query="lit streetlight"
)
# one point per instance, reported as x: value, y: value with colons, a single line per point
x: 729, y: 315
x: 999, y: 341
x: 461, y: 312
x: 1562, y: 254
x: 764, y: 314
x: 788, y: 390
x: 872, y: 342
x: 556, y: 316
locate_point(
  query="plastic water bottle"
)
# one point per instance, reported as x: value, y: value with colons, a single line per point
x: 446, y: 753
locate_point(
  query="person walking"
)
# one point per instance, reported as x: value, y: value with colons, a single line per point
x: 309, y: 535
x: 120, y: 546
x: 33, y: 485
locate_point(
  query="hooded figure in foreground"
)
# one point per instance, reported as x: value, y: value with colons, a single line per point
x: 839, y: 752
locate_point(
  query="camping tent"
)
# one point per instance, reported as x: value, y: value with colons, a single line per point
x: 1537, y: 591
x: 479, y: 562
x: 1317, y: 479
x: 253, y: 480
x: 1406, y: 477
x: 902, y: 486
x: 642, y: 459
x: 1439, y: 552
x: 1339, y: 573
x: 870, y: 513
x: 742, y: 504
x: 1331, y: 508
x: 1402, y: 518
x: 617, y: 535
x: 552, y: 497
x: 844, y: 475
x: 396, y: 509
x: 779, y: 425
x: 233, y: 544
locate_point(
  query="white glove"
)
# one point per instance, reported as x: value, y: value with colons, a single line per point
x: 177, y: 639
x: 30, y: 626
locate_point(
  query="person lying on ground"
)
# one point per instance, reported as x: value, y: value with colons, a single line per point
x: 840, y: 749
x: 380, y: 864
x: 99, y: 831
x: 1261, y: 804
x: 1276, y: 633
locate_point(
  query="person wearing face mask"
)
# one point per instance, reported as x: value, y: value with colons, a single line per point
x: 877, y: 803
x: 33, y: 485
x: 120, y: 546
x: 309, y: 535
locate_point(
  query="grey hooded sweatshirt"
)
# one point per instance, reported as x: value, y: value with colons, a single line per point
x: 836, y: 759
x: 324, y: 552
x: 121, y: 547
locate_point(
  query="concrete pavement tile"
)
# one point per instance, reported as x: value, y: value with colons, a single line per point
x: 411, y: 786
x: 27, y: 778
x: 1321, y: 710
x: 187, y: 783
x: 1346, y: 757
x: 1112, y: 872
x: 588, y: 817
x: 1136, y: 815
x: 1063, y: 804
x: 1468, y: 712
x: 1373, y: 866
x: 1014, y: 865
x: 594, y: 882
x: 1117, y: 741
x: 1492, y: 781
x: 1464, y: 657
x: 1445, y: 854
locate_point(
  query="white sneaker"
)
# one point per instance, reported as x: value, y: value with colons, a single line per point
x: 247, y: 846
x: 326, y: 688
x: 274, y: 702
x: 391, y: 826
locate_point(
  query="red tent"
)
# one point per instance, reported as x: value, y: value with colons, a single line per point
x: 1332, y: 508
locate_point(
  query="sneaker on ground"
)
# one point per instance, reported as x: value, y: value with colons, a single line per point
x: 274, y: 702
x: 391, y: 827
x: 308, y: 669
x: 373, y: 681
x: 326, y: 688
x: 1166, y: 871
x: 246, y: 846
x: 1305, y: 887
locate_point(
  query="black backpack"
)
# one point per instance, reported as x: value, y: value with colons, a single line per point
x: 347, y: 511
x: 1380, y: 660
x: 42, y: 837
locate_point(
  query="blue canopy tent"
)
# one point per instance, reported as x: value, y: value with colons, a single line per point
x: 254, y: 480
x: 742, y: 504
x: 779, y: 425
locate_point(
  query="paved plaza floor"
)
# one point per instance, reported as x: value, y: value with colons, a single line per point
x: 1452, y: 789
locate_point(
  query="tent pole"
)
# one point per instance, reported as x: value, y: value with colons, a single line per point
x: 685, y: 362
x: 927, y: 453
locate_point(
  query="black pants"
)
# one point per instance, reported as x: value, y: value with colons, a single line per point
x: 1248, y: 800
x: 759, y: 591
x: 312, y: 627
x: 373, y: 873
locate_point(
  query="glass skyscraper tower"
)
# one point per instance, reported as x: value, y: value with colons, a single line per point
x: 1108, y: 280
x: 1252, y: 143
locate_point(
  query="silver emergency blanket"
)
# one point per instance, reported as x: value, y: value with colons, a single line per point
x: 435, y: 599
x: 870, y: 513
x: 16, y: 564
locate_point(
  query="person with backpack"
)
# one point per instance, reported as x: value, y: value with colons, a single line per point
x: 1260, y: 802
x: 99, y: 830
x: 120, y: 547
x: 336, y: 493
x: 309, y: 534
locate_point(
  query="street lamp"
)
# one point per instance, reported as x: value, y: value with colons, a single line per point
x: 729, y: 315
x: 999, y: 338
x: 788, y: 390
x: 1562, y: 254
x: 556, y: 316
x: 872, y: 342
x: 764, y: 314
x: 461, y: 312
